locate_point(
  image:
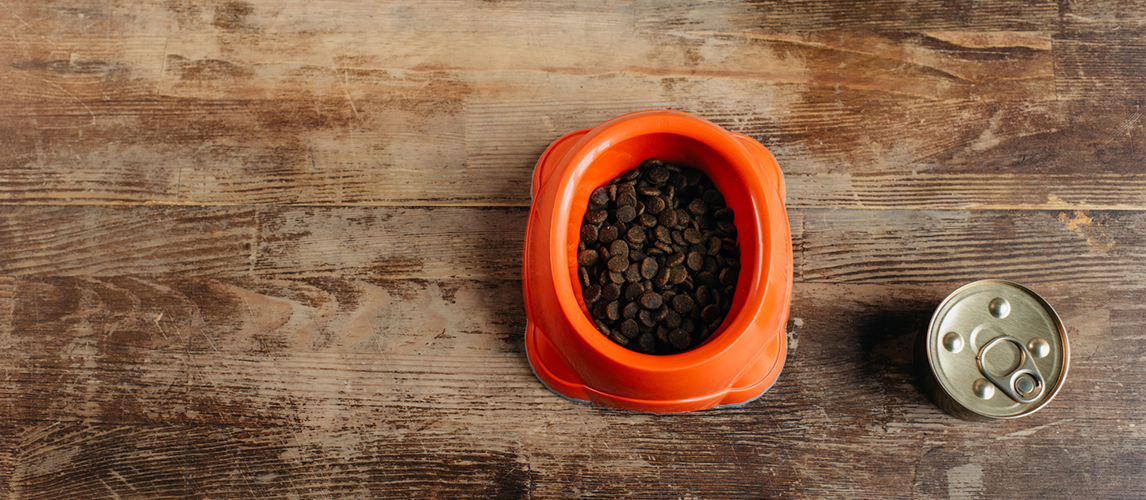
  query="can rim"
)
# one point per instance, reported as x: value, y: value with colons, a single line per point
x: 932, y: 333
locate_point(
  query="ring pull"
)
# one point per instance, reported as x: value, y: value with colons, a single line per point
x: 1024, y: 384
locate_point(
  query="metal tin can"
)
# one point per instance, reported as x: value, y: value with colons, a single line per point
x: 994, y: 350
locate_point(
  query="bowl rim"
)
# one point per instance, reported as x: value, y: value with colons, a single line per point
x: 748, y: 170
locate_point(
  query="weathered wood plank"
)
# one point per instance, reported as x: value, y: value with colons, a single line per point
x: 972, y: 191
x: 831, y: 245
x: 387, y: 241
x: 1107, y: 16
x: 99, y: 241
x: 889, y: 15
x: 860, y: 246
x: 415, y: 242
x: 938, y: 66
x: 97, y: 393
x: 402, y: 152
x: 816, y: 131
x: 76, y: 71
x: 1102, y: 65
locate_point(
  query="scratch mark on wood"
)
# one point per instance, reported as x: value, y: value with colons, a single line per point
x: 162, y: 68
x: 25, y: 23
x: 255, y: 242
x: 1124, y: 128
x: 1032, y: 430
x: 346, y: 89
x: 69, y: 94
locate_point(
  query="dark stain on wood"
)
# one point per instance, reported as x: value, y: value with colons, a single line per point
x: 232, y: 16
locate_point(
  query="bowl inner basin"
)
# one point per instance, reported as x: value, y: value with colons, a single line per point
x: 685, y: 152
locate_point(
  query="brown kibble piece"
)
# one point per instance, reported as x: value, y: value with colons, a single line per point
x: 633, y: 273
x: 714, y: 246
x: 589, y: 234
x: 584, y: 274
x: 655, y: 205
x: 658, y: 175
x: 649, y: 268
x: 662, y: 277
x: 667, y: 218
x: 672, y: 319
x: 679, y: 339
x: 613, y: 311
x: 703, y: 295
x: 682, y: 217
x: 612, y: 291
x: 607, y: 234
x: 625, y: 199
x: 647, y: 220
x: 588, y: 258
x: 663, y: 234
x: 619, y: 249
x: 682, y: 303
x: 629, y: 328
x: 677, y: 275
x: 709, y: 313
x: 627, y: 213
x: 650, y: 163
x: 705, y: 221
x: 630, y: 310
x: 596, y: 216
x: 618, y: 263
x: 695, y: 261
x: 646, y: 317
x: 692, y: 236
x: 650, y: 300
x: 675, y: 259
x: 647, y: 342
x: 592, y: 293
x: 698, y: 207
x: 633, y: 290
x: 618, y: 338
x: 728, y: 276
x: 636, y: 235
x: 713, y: 198
x: 600, y: 195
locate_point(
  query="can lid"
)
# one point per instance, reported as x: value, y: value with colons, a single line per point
x: 998, y: 349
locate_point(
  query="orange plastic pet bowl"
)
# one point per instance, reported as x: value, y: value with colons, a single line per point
x: 739, y: 361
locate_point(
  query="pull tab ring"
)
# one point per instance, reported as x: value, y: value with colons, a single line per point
x: 1011, y: 383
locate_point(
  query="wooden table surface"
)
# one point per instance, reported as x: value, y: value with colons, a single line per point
x: 273, y: 249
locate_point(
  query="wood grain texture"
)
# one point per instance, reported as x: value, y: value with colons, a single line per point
x: 314, y: 405
x: 273, y: 249
x: 178, y: 100
x: 830, y: 245
x: 486, y: 156
x: 1080, y: 70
